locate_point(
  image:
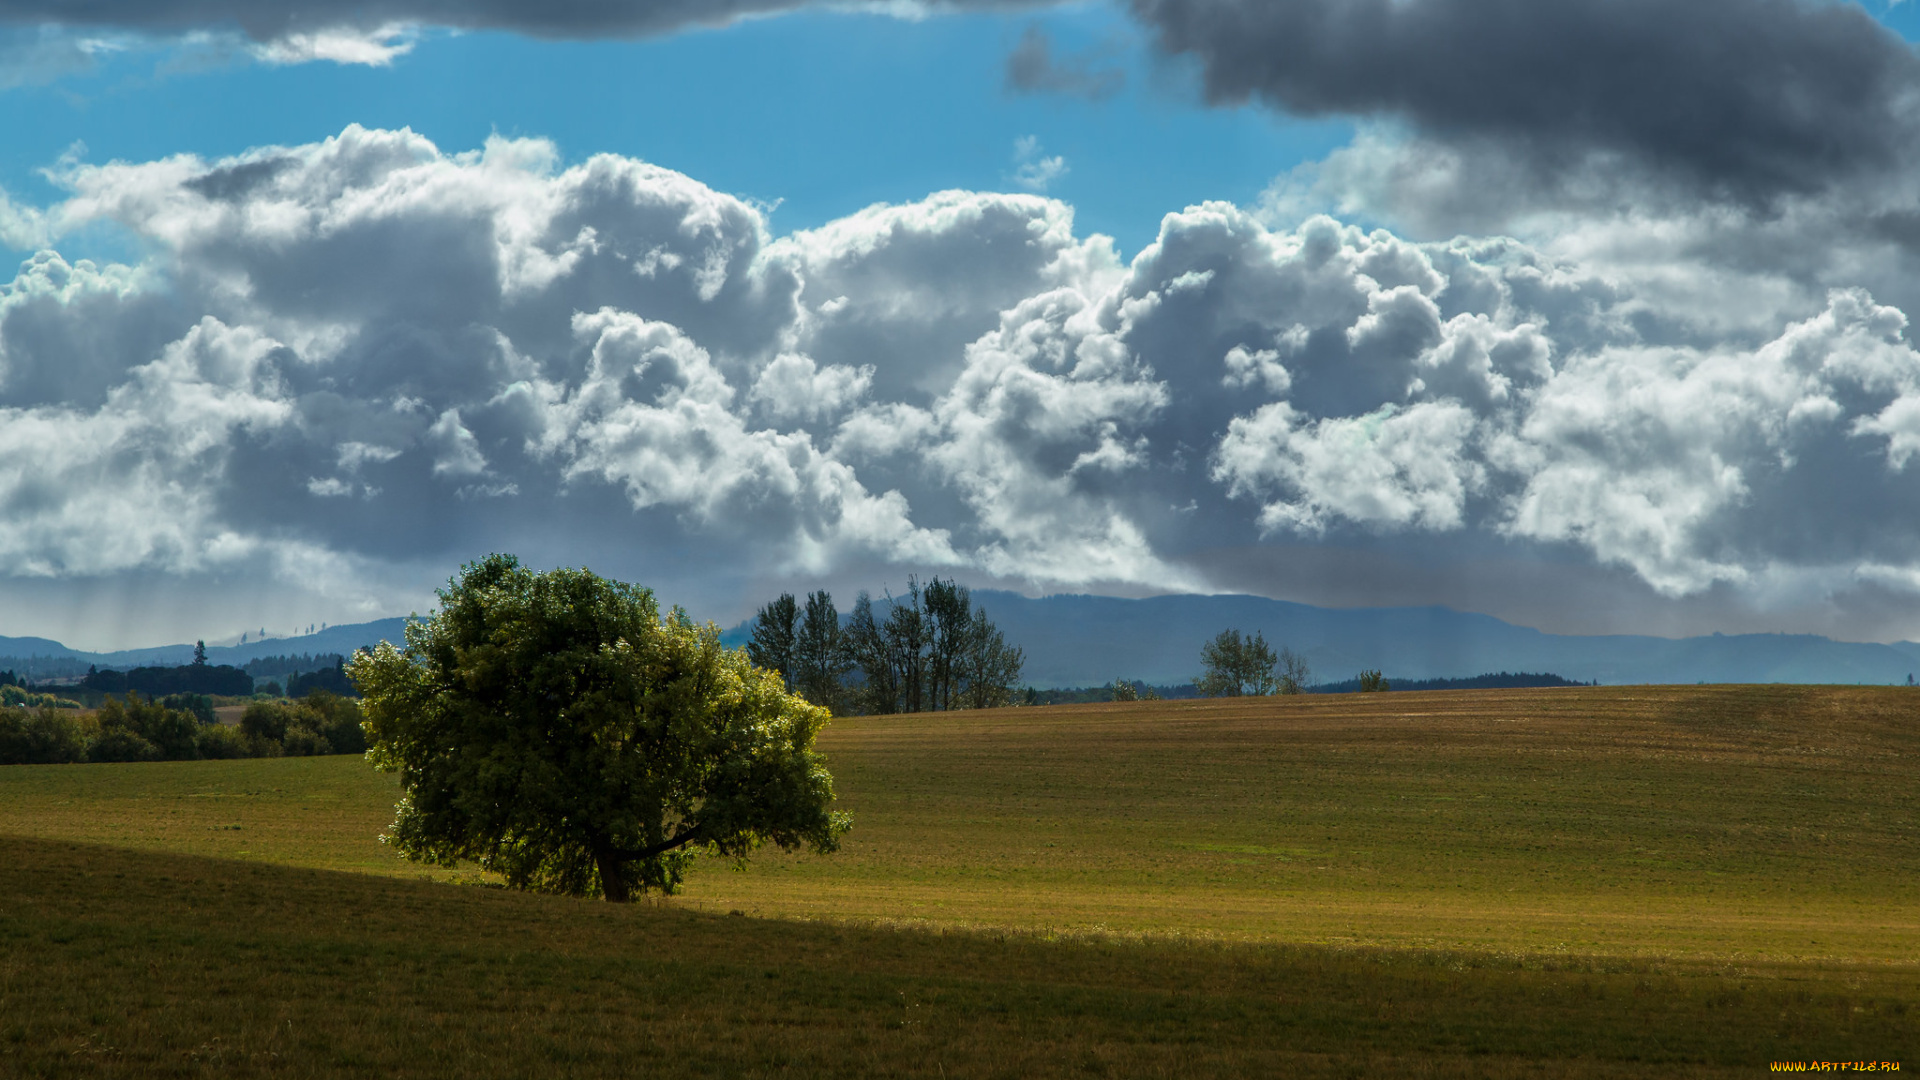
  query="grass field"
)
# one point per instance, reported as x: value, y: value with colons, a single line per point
x: 1596, y: 882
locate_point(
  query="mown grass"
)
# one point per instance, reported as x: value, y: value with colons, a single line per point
x: 1568, y: 882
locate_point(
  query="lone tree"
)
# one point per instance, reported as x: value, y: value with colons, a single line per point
x: 553, y: 728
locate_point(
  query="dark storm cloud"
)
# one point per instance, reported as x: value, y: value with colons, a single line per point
x: 1032, y: 67
x: 1744, y: 99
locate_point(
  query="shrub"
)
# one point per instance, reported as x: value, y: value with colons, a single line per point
x: 170, y: 732
x: 11, y: 695
x: 199, y: 706
x: 120, y: 744
x: 302, y: 741
x: 267, y: 720
x: 337, y: 720
x: 220, y: 741
x: 45, y: 737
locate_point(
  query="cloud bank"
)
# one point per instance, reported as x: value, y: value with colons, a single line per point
x: 348, y: 360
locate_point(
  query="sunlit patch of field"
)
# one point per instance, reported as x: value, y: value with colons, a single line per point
x: 1755, y: 822
x: 1586, y: 882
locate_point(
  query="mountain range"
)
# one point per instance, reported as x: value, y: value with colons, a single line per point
x: 1075, y: 640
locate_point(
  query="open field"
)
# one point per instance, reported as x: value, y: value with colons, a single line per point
x: 1585, y: 880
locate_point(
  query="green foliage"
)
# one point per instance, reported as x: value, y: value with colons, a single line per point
x: 320, y: 723
x: 200, y: 706
x: 41, y: 737
x: 125, y: 726
x: 121, y: 744
x: 304, y: 742
x: 18, y: 697
x: 1124, y: 691
x: 1237, y: 666
x: 336, y: 719
x: 266, y: 720
x: 218, y: 741
x: 552, y: 727
x: 180, y: 728
x: 1372, y: 682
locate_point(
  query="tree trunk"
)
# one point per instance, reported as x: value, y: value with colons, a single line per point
x: 612, y: 882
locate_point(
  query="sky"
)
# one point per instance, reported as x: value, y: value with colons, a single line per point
x: 1592, y: 316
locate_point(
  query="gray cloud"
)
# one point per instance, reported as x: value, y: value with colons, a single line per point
x: 1738, y: 99
x: 1032, y: 67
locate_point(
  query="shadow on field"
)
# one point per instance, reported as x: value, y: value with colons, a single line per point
x: 120, y: 963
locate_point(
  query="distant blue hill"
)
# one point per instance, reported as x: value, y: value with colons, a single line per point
x: 334, y: 639
x: 1074, y: 640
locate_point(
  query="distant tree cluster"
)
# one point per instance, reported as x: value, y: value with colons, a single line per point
x: 1245, y: 665
x: 281, y: 667
x: 29, y: 668
x: 198, y: 677
x: 1113, y: 691
x: 1129, y: 690
x: 931, y: 651
x: 179, y: 728
x: 332, y: 680
x: 1492, y: 681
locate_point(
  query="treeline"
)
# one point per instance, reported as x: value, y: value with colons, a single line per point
x: 222, y: 679
x: 284, y: 667
x: 329, y: 680
x: 16, y: 691
x: 180, y: 728
x: 931, y: 650
x: 1500, y: 680
x: 18, y: 695
x: 44, y: 667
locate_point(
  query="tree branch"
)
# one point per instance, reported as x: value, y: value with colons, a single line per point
x: 685, y: 837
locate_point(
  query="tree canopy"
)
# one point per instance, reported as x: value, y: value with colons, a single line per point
x: 552, y: 727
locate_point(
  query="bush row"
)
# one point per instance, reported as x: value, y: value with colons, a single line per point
x: 140, y: 729
x: 16, y: 696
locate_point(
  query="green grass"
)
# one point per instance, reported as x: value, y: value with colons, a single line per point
x: 1591, y: 882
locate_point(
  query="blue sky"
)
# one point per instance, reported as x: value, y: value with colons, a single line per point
x: 822, y: 113
x: 1605, y: 332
